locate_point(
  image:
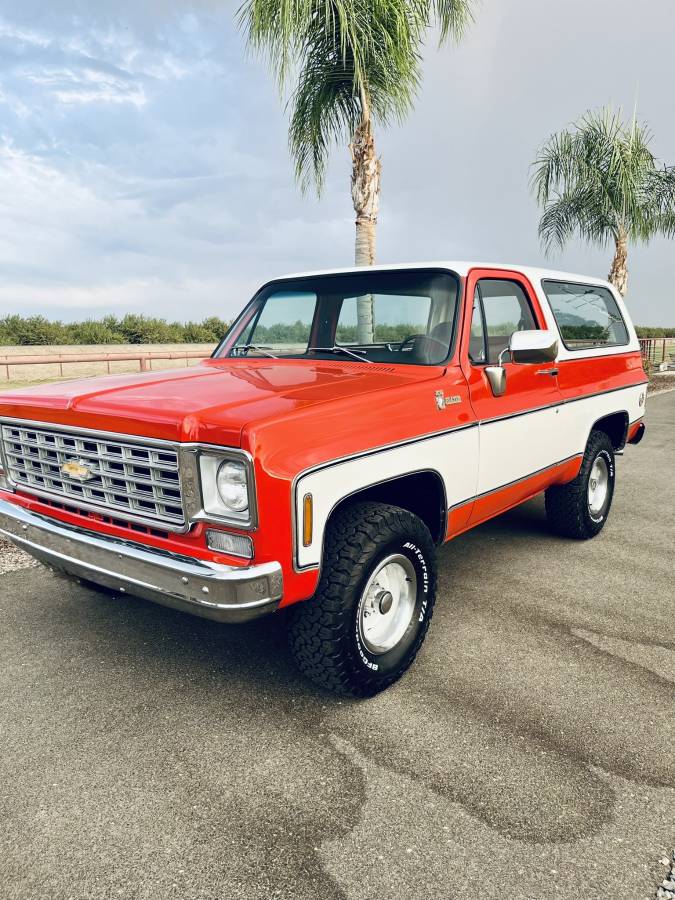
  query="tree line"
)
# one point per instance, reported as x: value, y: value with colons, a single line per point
x: 20, y: 331
x: 16, y: 330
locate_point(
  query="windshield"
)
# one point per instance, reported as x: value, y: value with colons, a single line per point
x: 393, y: 317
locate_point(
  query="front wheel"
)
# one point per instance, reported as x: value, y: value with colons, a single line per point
x: 364, y: 626
x: 580, y: 508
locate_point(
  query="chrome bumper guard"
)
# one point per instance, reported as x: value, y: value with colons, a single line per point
x: 207, y: 589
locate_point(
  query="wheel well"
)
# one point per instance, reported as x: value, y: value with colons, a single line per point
x: 615, y: 427
x: 421, y: 493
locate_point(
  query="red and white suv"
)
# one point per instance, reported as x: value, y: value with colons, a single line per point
x: 349, y: 423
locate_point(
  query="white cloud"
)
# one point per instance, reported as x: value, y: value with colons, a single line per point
x: 23, y: 35
x: 87, y: 85
x: 144, y: 162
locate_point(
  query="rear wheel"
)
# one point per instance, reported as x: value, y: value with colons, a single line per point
x: 580, y: 508
x: 367, y: 621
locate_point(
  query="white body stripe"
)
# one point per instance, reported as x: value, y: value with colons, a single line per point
x: 508, y: 450
x: 577, y: 417
x: 516, y: 447
x: 454, y: 456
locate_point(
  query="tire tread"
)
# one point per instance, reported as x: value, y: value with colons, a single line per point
x: 319, y: 627
x: 566, y: 504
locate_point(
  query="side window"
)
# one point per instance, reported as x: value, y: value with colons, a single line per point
x: 506, y: 309
x: 477, y: 353
x: 587, y: 316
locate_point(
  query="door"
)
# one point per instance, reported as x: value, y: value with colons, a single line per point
x: 520, y: 431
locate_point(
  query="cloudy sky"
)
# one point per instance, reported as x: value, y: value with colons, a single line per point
x: 143, y: 161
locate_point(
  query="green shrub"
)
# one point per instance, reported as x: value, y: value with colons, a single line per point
x: 32, y: 330
x: 648, y: 332
x: 16, y: 330
x: 93, y: 332
x: 216, y: 327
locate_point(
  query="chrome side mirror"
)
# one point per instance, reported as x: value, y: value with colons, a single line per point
x: 533, y: 347
x: 524, y: 347
x: 496, y: 375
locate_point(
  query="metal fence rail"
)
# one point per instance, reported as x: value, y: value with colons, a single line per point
x: 658, y: 350
x: 144, y: 358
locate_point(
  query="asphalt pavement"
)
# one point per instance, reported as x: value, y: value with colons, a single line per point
x: 528, y: 754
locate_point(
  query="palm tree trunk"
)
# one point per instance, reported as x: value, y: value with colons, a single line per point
x: 618, y: 274
x: 366, y: 170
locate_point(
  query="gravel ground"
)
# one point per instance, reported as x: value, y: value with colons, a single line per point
x: 528, y: 754
x: 12, y: 559
x: 666, y: 890
x: 664, y: 381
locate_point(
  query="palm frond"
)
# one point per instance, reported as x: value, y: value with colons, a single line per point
x: 567, y: 213
x: 599, y: 179
x: 452, y: 17
x: 351, y: 60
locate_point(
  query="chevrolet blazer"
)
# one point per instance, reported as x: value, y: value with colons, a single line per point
x: 349, y: 423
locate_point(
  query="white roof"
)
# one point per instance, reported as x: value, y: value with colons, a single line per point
x: 462, y: 268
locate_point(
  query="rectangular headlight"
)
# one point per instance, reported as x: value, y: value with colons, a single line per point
x: 228, y: 493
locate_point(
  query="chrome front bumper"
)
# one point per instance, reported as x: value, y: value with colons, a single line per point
x: 214, y: 591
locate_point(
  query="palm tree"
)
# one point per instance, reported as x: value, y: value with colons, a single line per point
x: 600, y: 180
x: 355, y: 63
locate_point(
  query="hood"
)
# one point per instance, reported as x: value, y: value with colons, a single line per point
x: 211, y: 402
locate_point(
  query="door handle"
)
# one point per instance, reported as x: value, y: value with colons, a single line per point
x: 546, y: 372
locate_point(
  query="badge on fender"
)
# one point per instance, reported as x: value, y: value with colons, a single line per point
x: 442, y: 401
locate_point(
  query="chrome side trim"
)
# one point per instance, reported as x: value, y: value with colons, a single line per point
x: 210, y: 590
x: 427, y: 436
x: 430, y: 436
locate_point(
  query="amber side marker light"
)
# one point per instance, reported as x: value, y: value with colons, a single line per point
x: 307, y: 519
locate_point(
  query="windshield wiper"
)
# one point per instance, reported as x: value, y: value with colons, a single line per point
x: 264, y: 350
x: 336, y: 349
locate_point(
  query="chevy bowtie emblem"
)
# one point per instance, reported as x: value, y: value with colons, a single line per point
x: 442, y: 401
x: 78, y: 470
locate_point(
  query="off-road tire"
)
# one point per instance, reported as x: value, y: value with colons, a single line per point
x: 324, y: 632
x: 567, y: 506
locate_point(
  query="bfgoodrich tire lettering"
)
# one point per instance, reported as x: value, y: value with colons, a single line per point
x: 580, y: 508
x: 326, y: 637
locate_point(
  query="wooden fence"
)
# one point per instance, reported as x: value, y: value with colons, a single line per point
x: 143, y: 358
x: 656, y: 350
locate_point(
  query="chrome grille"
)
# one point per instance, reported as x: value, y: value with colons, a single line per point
x: 138, y: 480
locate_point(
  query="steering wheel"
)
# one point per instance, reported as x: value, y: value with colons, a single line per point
x: 407, y: 340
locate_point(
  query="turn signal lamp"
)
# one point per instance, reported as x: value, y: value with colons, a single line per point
x: 234, y: 544
x: 307, y: 519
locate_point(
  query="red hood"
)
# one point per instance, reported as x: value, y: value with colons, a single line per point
x: 211, y: 402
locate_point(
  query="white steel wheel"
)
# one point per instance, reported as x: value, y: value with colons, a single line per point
x: 387, y: 604
x: 598, y: 486
x: 371, y: 612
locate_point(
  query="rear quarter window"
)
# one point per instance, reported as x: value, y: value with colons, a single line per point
x: 587, y: 315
